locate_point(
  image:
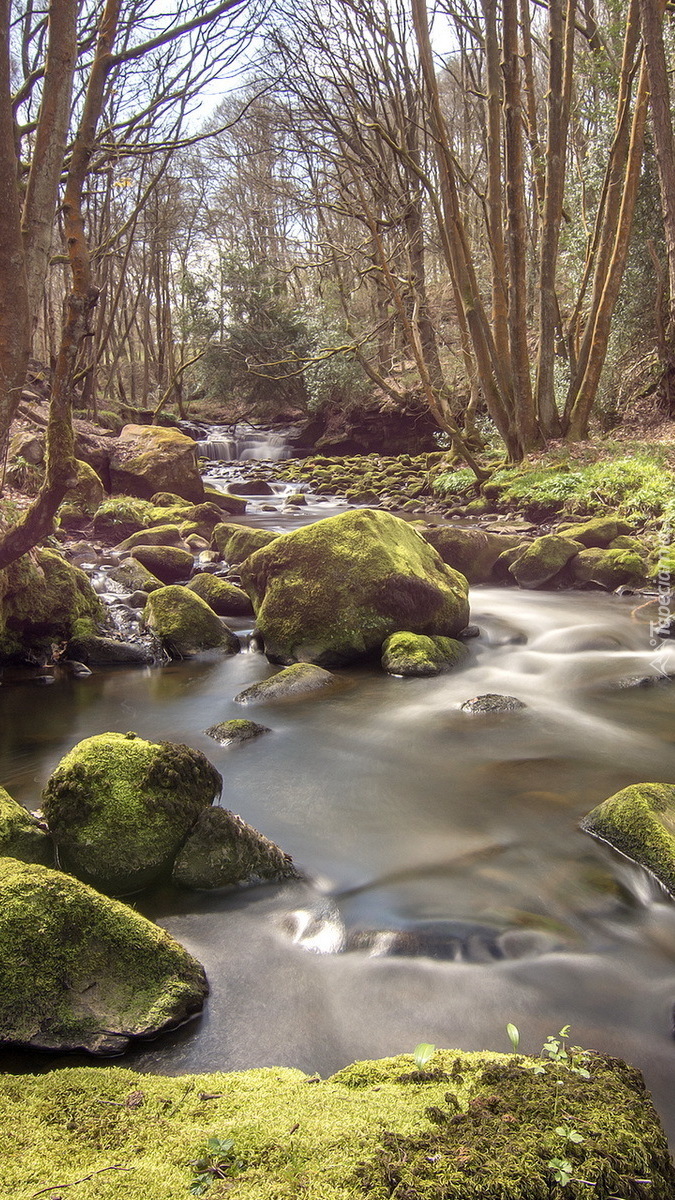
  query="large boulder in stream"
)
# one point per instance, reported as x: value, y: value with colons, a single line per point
x: 186, y: 624
x: 149, y: 458
x: 83, y: 972
x: 639, y: 821
x: 474, y: 552
x: 223, y: 851
x: 333, y: 592
x: 43, y: 599
x: 119, y: 808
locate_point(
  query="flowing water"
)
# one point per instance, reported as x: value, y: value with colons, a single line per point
x: 451, y: 888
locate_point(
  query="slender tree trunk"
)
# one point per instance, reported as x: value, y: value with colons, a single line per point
x: 495, y: 208
x: 651, y: 20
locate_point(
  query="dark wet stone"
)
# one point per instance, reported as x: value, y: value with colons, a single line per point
x: 491, y: 702
x: 236, y: 731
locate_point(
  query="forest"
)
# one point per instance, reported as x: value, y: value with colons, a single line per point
x: 337, y: 390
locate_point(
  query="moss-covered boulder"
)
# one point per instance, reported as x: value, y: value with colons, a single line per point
x: 609, y: 568
x: 81, y: 971
x: 639, y: 821
x: 146, y: 459
x: 293, y: 683
x: 42, y: 598
x: 223, y: 851
x: 185, y: 624
x: 131, y: 574
x: 226, y: 599
x: 599, y: 531
x: 333, y: 592
x: 474, y: 552
x: 543, y: 559
x: 97, y: 651
x: 233, y: 733
x: 82, y: 501
x: 474, y: 1126
x: 237, y: 542
x: 414, y: 654
x: 119, y: 807
x: 156, y: 535
x: 168, y: 563
x: 120, y: 516
x: 21, y: 834
x: 170, y: 500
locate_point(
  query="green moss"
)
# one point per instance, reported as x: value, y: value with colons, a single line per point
x: 21, y: 835
x: 237, y: 542
x: 334, y: 591
x: 414, y: 654
x: 235, y: 731
x: 120, y: 516
x: 363, y: 1132
x: 186, y: 624
x: 596, y: 533
x: 292, y: 683
x: 609, y: 568
x: 543, y: 559
x: 157, y: 535
x: 224, y: 598
x: 134, y: 576
x: 80, y: 970
x: 223, y: 851
x: 119, y: 807
x: 474, y: 552
x: 41, y: 598
x: 168, y: 563
x: 639, y: 821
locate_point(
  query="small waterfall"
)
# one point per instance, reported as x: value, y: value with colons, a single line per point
x: 217, y: 449
x: 236, y: 443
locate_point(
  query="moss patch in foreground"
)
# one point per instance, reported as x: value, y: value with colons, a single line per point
x: 485, y: 1132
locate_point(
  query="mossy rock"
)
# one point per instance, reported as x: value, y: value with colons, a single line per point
x: 42, y: 598
x: 223, y: 851
x: 147, y: 459
x: 293, y: 683
x: 119, y: 807
x: 639, y: 821
x: 478, y: 1126
x: 543, y: 559
x: 97, y: 651
x: 185, y: 624
x: 250, y: 487
x: 21, y: 834
x: 598, y: 532
x: 133, y: 575
x: 415, y: 654
x: 333, y: 592
x: 236, y: 505
x: 236, y: 732
x: 609, y: 568
x: 157, y: 535
x: 237, y: 542
x: 169, y: 500
x: 83, y: 500
x: 167, y: 563
x: 120, y: 516
x: 297, y: 498
x: 226, y: 599
x: 81, y: 971
x: 471, y: 551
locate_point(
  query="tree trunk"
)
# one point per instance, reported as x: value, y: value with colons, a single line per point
x: 651, y: 20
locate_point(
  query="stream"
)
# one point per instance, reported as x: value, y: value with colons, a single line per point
x: 451, y: 889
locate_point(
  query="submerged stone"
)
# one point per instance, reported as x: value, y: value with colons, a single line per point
x: 229, y: 732
x: 639, y: 821
x: 413, y: 654
x: 223, y: 851
x: 333, y: 592
x: 81, y: 971
x: 294, y: 682
x: 119, y: 807
x: 492, y: 702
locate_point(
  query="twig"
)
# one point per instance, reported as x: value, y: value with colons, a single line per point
x: 60, y: 1186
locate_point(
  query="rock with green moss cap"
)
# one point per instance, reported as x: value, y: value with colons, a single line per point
x: 543, y: 560
x: 598, y: 532
x: 21, y: 834
x: 96, y: 651
x: 474, y: 552
x: 157, y: 535
x: 333, y: 592
x: 639, y: 821
x: 168, y: 563
x: 131, y: 574
x: 169, y: 500
x: 609, y: 568
x: 119, y: 808
x: 223, y: 851
x: 42, y: 598
x: 146, y: 459
x: 232, y: 733
x: 185, y: 624
x: 293, y: 683
x: 475, y: 1126
x: 120, y: 516
x: 414, y: 654
x: 226, y: 599
x: 81, y: 501
x: 236, y: 542
x: 81, y: 971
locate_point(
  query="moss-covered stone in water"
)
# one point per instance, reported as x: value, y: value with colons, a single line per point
x: 42, y: 597
x: 21, y: 834
x: 598, y: 532
x: 609, y: 568
x: 82, y: 971
x: 223, y: 851
x: 134, y: 576
x: 226, y: 599
x: 334, y: 591
x: 471, y: 551
x: 146, y: 459
x: 543, y: 559
x: 235, y: 732
x: 293, y: 683
x: 639, y: 821
x: 120, y: 516
x: 157, y: 535
x: 344, y: 1130
x: 185, y: 624
x: 168, y: 563
x: 414, y: 654
x: 119, y: 807
x: 237, y: 542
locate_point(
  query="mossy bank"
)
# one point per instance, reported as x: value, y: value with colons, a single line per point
x: 469, y: 1127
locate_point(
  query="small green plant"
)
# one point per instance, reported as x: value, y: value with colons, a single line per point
x: 514, y: 1036
x: 572, y: 1057
x: 569, y: 1134
x: 217, y: 1160
x: 422, y: 1054
x: 561, y: 1170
